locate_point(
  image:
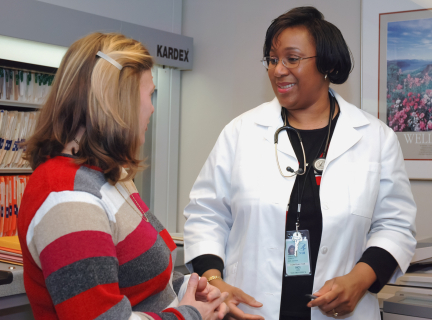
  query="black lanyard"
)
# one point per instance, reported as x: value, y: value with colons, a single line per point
x: 327, y: 139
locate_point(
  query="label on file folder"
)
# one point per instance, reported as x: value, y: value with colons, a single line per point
x: 15, y: 147
x: 8, y: 145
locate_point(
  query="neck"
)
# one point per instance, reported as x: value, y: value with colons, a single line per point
x: 72, y: 145
x: 313, y: 117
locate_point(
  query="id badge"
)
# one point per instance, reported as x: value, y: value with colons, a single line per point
x: 297, y: 265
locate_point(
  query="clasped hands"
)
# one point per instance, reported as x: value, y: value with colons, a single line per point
x: 207, y: 299
x: 338, y: 297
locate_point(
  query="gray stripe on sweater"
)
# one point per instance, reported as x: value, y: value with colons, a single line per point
x: 178, y: 279
x: 71, y: 280
x: 189, y: 312
x: 121, y: 311
x: 154, y: 221
x: 146, y: 266
x: 156, y: 302
x: 168, y: 316
x: 90, y: 181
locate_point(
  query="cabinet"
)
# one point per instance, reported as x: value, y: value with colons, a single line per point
x: 23, y: 89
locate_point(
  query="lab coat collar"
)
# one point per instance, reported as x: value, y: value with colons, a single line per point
x: 269, y: 114
x: 344, y: 137
x: 354, y: 116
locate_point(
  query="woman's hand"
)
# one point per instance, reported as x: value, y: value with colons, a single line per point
x: 341, y: 295
x: 205, y: 292
x: 213, y: 308
x: 235, y: 297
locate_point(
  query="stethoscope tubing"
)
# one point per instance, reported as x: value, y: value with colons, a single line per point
x: 276, y: 138
x: 287, y: 127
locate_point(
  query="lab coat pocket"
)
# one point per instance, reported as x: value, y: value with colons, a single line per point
x: 364, y: 183
x: 230, y: 273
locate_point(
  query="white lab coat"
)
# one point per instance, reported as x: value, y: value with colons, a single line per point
x: 237, y: 205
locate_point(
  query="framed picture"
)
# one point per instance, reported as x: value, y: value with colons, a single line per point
x: 397, y: 75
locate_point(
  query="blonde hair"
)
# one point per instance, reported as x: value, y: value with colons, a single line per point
x: 89, y: 91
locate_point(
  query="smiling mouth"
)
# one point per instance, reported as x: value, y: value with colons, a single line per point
x: 287, y: 86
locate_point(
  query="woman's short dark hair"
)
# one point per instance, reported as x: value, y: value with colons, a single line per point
x: 334, y: 58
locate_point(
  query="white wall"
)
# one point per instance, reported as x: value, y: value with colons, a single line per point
x: 158, y: 14
x: 228, y: 79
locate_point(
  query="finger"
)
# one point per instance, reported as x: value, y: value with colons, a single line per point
x: 328, y: 308
x: 217, y: 302
x: 339, y: 312
x: 208, y: 295
x: 200, y: 296
x: 222, y: 310
x: 236, y: 313
x: 325, y: 288
x: 324, y: 299
x: 192, y: 286
x: 247, y: 299
x: 202, y: 284
x: 213, y: 293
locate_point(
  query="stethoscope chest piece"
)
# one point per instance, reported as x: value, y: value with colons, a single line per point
x: 319, y: 164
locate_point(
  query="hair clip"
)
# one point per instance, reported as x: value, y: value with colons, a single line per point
x: 110, y: 60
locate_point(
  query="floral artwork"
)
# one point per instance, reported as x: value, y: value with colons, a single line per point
x: 409, y: 75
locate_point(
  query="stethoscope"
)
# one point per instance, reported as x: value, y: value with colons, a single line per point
x: 319, y: 163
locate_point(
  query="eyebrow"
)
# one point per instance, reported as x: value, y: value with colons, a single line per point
x: 286, y: 49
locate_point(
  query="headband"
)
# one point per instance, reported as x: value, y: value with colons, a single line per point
x: 110, y: 60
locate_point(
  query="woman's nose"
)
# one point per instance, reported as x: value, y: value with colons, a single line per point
x: 280, y: 69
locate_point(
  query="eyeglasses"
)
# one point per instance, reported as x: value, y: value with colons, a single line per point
x: 289, y: 63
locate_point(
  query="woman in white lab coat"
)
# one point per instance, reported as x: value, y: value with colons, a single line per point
x: 350, y: 204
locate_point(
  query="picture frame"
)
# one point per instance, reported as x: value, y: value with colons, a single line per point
x: 381, y: 23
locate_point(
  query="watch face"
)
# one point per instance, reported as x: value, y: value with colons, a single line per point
x: 319, y: 164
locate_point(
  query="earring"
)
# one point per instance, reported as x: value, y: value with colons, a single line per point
x: 325, y: 77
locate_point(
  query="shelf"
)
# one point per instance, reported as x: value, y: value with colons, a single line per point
x: 19, y: 104
x: 16, y: 170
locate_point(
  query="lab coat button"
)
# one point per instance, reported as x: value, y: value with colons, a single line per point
x: 325, y: 206
x: 324, y: 250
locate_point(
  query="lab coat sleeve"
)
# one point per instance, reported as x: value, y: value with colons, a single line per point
x: 393, y: 221
x: 208, y: 213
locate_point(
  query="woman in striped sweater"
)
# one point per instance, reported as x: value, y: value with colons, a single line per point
x: 91, y: 247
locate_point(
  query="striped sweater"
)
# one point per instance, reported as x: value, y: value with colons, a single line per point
x: 88, y: 254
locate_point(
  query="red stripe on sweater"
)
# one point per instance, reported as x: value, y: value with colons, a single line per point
x: 153, y: 315
x: 176, y: 312
x: 318, y: 180
x: 168, y: 240
x: 141, y: 205
x: 74, y: 247
x: 144, y: 290
x: 91, y: 303
x: 135, y: 244
x: 41, y: 183
x: 40, y: 299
